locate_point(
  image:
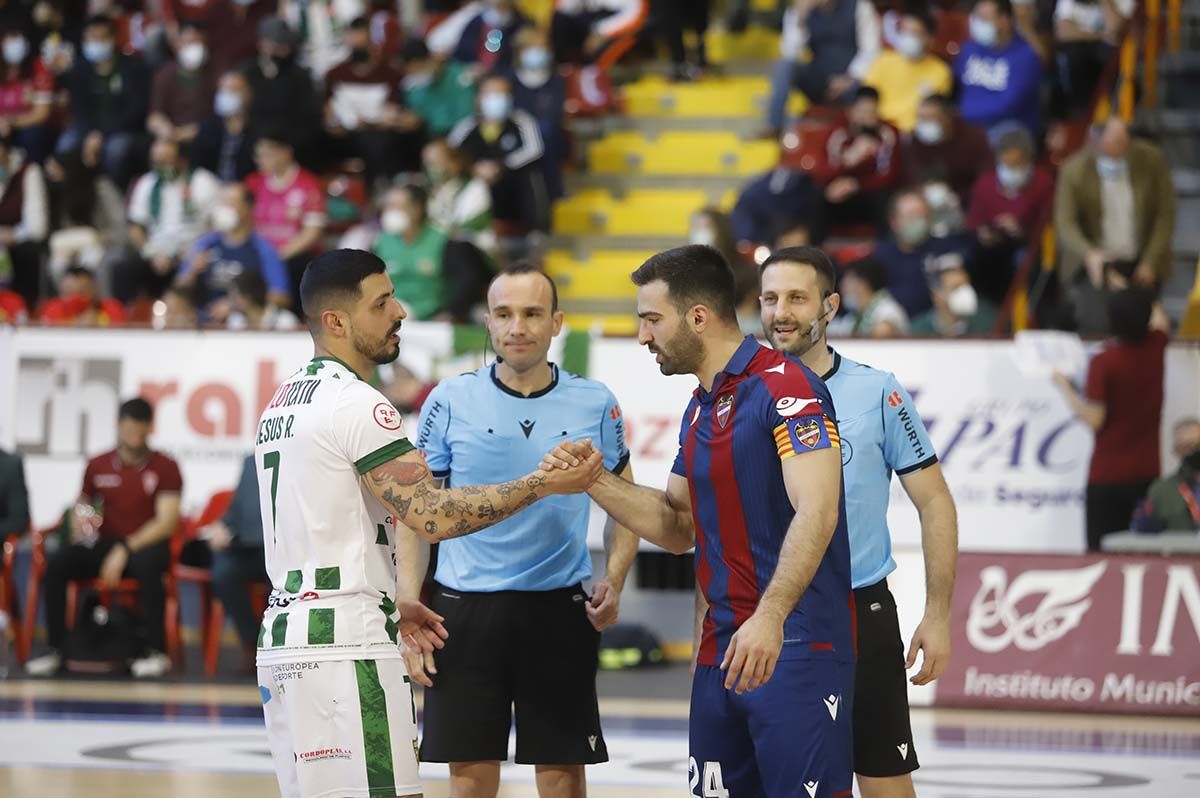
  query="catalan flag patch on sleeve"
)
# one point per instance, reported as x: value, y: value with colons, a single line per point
x: 805, y: 434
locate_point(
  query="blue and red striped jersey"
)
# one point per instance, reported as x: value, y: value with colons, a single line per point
x: 764, y: 408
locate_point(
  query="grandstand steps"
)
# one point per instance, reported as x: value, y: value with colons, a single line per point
x: 715, y: 186
x: 654, y: 126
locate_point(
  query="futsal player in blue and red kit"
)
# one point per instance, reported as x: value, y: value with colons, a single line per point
x: 756, y: 488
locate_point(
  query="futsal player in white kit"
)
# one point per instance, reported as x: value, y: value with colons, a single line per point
x: 339, y: 482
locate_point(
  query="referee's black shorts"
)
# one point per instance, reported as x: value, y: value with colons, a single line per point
x: 535, y: 652
x: 883, y: 744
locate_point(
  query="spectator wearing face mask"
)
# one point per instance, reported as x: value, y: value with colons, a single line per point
x: 1173, y: 502
x: 596, y: 31
x: 944, y: 147
x: 460, y: 203
x: 168, y: 210
x: 361, y: 114
x: 906, y: 75
x: 26, y: 96
x: 413, y: 251
x: 1008, y: 205
x: 250, y: 309
x: 439, y: 90
x: 233, y: 248
x: 957, y: 309
x: 871, y: 310
x: 910, y: 254
x: 998, y: 73
x: 841, y: 39
x: 24, y: 223
x: 507, y: 148
x: 1115, y: 202
x: 283, y: 94
x: 861, y: 163
x: 109, y: 93
x: 540, y: 91
x: 183, y: 89
x: 1122, y: 403
x: 224, y: 144
x: 231, y: 26
x: 481, y: 35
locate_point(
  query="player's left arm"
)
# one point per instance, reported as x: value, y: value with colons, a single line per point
x: 813, y: 480
x: 939, y: 543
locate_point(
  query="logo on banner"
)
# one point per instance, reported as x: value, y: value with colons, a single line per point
x: 995, y: 622
x: 67, y: 404
x: 724, y: 408
x: 808, y: 433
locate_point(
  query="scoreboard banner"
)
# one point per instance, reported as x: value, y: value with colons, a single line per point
x: 1092, y: 633
x: 1015, y: 458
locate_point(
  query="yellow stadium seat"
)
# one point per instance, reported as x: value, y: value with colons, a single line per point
x: 682, y: 153
x: 582, y: 213
x: 754, y: 44
x: 603, y: 274
x: 608, y: 323
x: 642, y: 212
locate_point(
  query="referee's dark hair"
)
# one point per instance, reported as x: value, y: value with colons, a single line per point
x: 333, y: 280
x: 528, y: 268
x: 808, y: 256
x: 695, y: 275
x: 137, y: 409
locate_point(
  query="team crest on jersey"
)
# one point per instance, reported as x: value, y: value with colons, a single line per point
x: 724, y: 408
x: 808, y: 432
x: 387, y: 416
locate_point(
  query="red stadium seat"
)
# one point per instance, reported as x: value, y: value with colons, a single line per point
x: 8, y: 600
x: 210, y: 637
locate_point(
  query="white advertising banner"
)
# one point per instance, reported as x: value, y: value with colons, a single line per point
x: 1014, y: 457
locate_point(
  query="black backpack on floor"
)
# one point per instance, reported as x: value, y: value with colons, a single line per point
x: 104, y: 640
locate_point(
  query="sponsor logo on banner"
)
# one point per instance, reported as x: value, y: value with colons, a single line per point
x: 1102, y: 634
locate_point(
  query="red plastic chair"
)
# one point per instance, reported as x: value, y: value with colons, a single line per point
x: 211, y: 613
x: 8, y: 599
x: 125, y: 591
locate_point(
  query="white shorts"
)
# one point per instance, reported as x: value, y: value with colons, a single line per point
x: 342, y: 729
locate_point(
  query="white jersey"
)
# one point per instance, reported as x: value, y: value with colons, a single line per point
x: 330, y: 545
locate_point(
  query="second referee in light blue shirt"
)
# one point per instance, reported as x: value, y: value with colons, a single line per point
x: 524, y: 635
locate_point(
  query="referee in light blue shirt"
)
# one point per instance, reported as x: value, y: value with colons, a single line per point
x: 524, y: 635
x: 881, y: 434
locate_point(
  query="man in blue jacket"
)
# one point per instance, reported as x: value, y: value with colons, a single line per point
x: 998, y: 72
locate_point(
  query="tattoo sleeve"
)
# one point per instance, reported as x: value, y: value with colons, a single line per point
x: 408, y: 488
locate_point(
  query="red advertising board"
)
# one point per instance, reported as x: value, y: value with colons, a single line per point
x: 1086, y: 633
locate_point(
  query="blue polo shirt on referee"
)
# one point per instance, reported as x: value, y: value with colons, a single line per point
x: 881, y: 433
x: 475, y: 430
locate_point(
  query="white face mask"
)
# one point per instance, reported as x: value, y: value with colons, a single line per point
x: 963, y: 301
x: 395, y: 221
x: 928, y: 132
x: 909, y: 46
x: 495, y: 107
x: 191, y: 56
x: 982, y: 31
x: 704, y: 236
x: 97, y: 52
x: 937, y: 195
x: 15, y: 50
x: 224, y: 218
x: 227, y: 103
x: 535, y: 59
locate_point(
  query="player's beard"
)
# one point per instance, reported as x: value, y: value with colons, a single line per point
x: 801, y: 340
x: 680, y: 355
x: 380, y: 352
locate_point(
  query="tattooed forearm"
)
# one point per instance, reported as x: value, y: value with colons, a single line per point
x: 408, y: 489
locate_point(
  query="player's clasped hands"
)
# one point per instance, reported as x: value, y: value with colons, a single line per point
x: 572, y: 466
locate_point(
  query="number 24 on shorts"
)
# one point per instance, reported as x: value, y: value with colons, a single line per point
x: 714, y: 783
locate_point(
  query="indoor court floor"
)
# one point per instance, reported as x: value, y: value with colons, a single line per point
x: 69, y: 739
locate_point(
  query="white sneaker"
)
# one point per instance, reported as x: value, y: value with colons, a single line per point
x: 45, y: 665
x: 152, y: 666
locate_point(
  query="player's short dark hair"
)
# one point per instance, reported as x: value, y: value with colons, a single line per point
x: 334, y: 280
x: 250, y: 284
x: 866, y: 93
x: 1003, y: 6
x: 870, y: 271
x: 518, y: 269
x: 809, y: 256
x: 695, y: 275
x: 1129, y: 314
x: 136, y: 409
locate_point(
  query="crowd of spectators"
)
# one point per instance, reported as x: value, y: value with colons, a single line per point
x: 939, y: 150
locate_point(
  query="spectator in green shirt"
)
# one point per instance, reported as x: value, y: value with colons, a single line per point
x: 413, y: 250
x: 442, y: 93
x: 957, y: 310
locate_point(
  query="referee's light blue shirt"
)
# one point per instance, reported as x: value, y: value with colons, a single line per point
x: 475, y: 430
x: 881, y: 433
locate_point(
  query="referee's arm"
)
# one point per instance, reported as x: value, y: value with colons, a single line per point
x: 620, y: 545
x: 406, y: 487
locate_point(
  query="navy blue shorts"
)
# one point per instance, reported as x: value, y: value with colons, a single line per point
x: 791, y: 738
